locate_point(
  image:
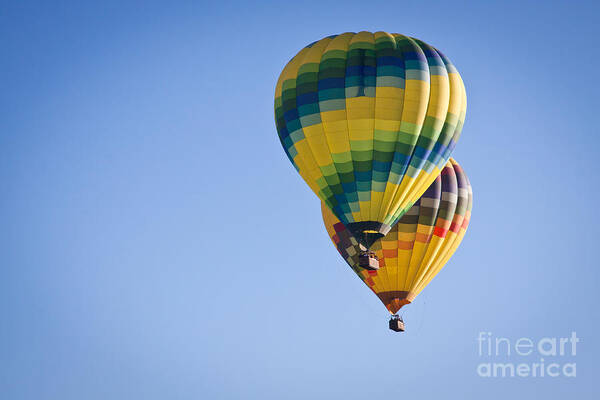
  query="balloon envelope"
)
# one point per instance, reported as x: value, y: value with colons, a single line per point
x: 418, y: 246
x: 369, y: 120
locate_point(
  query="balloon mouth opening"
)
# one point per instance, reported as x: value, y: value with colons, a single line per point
x: 395, y: 300
x: 368, y: 232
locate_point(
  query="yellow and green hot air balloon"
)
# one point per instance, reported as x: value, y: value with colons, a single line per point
x: 418, y: 246
x: 369, y: 120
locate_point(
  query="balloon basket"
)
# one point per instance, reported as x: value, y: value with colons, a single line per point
x: 396, y: 323
x: 368, y: 260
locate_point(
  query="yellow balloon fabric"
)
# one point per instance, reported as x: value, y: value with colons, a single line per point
x: 418, y: 246
x: 369, y: 120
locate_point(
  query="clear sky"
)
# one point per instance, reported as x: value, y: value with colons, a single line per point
x: 157, y: 244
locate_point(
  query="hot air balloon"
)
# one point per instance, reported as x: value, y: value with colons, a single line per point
x: 417, y: 247
x: 369, y: 120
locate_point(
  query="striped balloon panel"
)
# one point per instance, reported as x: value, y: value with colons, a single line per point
x: 419, y: 245
x: 369, y: 120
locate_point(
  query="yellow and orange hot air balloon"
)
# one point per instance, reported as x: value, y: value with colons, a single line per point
x: 418, y: 246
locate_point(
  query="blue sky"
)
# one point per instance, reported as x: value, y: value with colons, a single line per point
x: 156, y: 243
